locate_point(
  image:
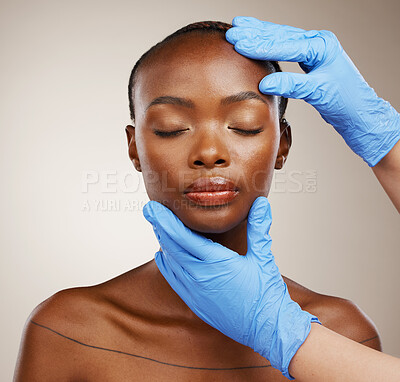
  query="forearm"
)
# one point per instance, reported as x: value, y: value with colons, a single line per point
x: 330, y: 357
x: 388, y: 173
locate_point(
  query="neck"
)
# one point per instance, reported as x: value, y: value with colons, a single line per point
x: 234, y: 239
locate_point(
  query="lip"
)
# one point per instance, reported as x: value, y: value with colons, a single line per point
x: 211, y: 184
x: 211, y: 191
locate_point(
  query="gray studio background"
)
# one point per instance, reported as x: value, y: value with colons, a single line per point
x: 64, y: 107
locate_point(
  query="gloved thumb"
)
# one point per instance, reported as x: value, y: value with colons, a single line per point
x: 288, y: 85
x: 259, y: 223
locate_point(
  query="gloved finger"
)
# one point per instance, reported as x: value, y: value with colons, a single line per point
x: 196, y: 244
x: 172, y: 249
x: 307, y: 50
x: 248, y: 21
x: 288, y: 85
x: 233, y: 35
x: 191, y: 291
x: 172, y: 274
x: 194, y: 266
x: 166, y: 226
x: 181, y: 277
x: 182, y: 283
x: 258, y: 225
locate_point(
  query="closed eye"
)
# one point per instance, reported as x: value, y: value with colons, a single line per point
x: 168, y: 133
x: 177, y: 132
x: 247, y: 132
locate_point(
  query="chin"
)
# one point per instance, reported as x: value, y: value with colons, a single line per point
x: 212, y: 229
x: 211, y: 220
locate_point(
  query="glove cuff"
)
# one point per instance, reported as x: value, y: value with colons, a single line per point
x: 292, y: 328
x: 299, y: 336
x: 380, y: 133
x: 387, y: 141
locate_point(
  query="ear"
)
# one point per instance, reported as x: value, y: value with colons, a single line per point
x: 132, y: 150
x: 284, y: 144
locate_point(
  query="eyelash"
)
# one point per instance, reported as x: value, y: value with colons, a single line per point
x: 167, y: 133
x: 175, y: 133
x: 247, y: 132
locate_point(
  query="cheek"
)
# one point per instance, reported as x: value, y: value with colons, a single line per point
x: 162, y: 167
x: 257, y: 163
x: 165, y: 169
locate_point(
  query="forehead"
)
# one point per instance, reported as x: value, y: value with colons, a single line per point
x: 202, y: 67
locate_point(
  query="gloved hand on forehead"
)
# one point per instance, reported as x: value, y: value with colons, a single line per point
x: 331, y: 83
x: 244, y: 297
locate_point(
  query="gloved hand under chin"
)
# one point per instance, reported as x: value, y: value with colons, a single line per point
x: 332, y: 84
x: 243, y: 297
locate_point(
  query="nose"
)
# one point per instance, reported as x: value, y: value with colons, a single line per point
x: 209, y: 149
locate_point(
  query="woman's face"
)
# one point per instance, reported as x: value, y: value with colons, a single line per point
x: 203, y: 70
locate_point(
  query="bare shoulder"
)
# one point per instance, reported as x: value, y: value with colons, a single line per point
x: 63, y: 334
x: 83, y: 311
x: 68, y: 307
x: 338, y: 314
x: 49, y: 345
x: 346, y: 318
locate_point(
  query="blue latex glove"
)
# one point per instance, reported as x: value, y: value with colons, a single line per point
x: 244, y: 297
x: 332, y: 83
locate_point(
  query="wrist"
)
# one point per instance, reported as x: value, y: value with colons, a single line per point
x: 301, y: 330
x: 377, y: 131
x: 280, y: 343
x: 296, y: 362
x: 385, y: 136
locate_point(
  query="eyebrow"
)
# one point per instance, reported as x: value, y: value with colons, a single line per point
x: 242, y: 96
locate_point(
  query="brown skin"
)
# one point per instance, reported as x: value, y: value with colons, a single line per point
x: 208, y: 147
x: 138, y: 312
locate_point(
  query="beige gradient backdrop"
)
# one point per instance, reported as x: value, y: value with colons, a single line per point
x: 64, y: 74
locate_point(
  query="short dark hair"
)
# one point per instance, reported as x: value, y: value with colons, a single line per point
x: 211, y: 27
